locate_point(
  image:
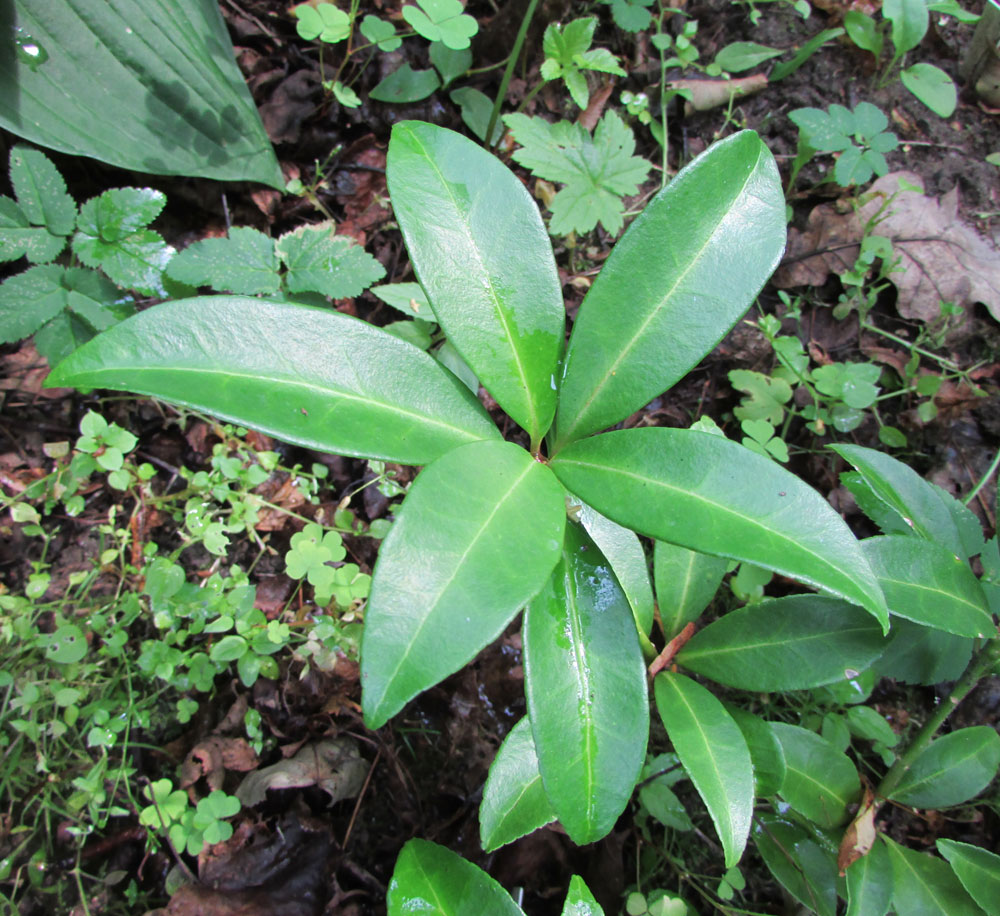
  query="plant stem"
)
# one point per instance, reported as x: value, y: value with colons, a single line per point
x: 947, y: 363
x: 984, y: 659
x: 509, y: 70
x: 982, y: 480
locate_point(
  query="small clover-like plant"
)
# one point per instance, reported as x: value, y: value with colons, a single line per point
x: 189, y: 828
x: 442, y: 20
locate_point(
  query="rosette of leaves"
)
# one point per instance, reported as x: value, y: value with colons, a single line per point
x: 483, y: 532
x: 568, y: 55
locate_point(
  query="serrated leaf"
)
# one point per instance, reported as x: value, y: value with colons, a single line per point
x: 18, y: 238
x: 924, y: 582
x: 978, y: 870
x: 320, y: 261
x: 579, y: 900
x: 951, y: 769
x: 30, y: 299
x: 793, y: 643
x: 709, y: 494
x: 674, y: 269
x: 183, y: 110
x: 714, y: 754
x: 253, y: 361
x: 477, y: 537
x: 244, y: 263
x: 41, y: 191
x: 924, y: 885
x: 432, y: 880
x: 485, y: 262
x: 586, y: 688
x: 869, y: 883
x: 686, y: 581
x: 596, y: 170
x: 514, y: 801
x: 820, y: 781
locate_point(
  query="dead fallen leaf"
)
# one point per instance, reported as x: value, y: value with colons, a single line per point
x: 214, y: 755
x: 334, y: 765
x: 708, y: 94
x: 860, y: 836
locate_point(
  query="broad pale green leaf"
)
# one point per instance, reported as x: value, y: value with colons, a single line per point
x: 681, y: 276
x: 622, y: 549
x: 905, y: 492
x: 710, y: 494
x: 514, y: 801
x: 714, y: 753
x: 952, y: 769
x: 869, y: 883
x: 790, y: 643
x: 579, y: 900
x: 41, y: 191
x: 820, y: 781
x: 765, y: 752
x: 477, y: 537
x: 924, y: 885
x: 686, y: 582
x: 486, y: 263
x: 586, y: 688
x: 152, y: 87
x: 917, y: 654
x: 310, y: 376
x: 320, y: 261
x: 429, y: 879
x: 928, y: 584
x: 932, y: 86
x: 978, y: 870
x: 244, y: 263
x: 801, y: 866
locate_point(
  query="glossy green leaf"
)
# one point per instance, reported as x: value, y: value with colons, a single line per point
x: 905, y: 492
x: 710, y: 494
x: 714, y: 753
x: 255, y: 362
x: 622, y: 549
x: 928, y: 584
x: 790, y: 643
x: 41, y: 191
x: 429, y: 879
x: 952, y: 769
x: 514, y: 801
x: 869, y: 884
x: 765, y: 751
x: 486, y: 263
x: 978, y: 870
x: 152, y: 87
x: 801, y: 866
x: 669, y: 290
x: 586, y: 688
x: 579, y: 900
x: 686, y: 582
x: 917, y: 654
x: 478, y: 535
x: 924, y: 885
x: 820, y: 781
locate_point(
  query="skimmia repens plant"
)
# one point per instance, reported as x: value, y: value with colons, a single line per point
x: 489, y: 528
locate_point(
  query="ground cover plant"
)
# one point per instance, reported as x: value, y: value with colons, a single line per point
x: 158, y: 695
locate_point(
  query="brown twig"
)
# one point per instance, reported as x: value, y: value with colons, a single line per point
x: 666, y: 657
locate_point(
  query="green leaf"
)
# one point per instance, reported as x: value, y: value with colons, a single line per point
x: 674, y: 268
x: 442, y: 20
x: 863, y: 31
x: 18, y: 238
x: 952, y: 769
x: 710, y: 494
x: 586, y: 688
x: 978, y: 870
x: 927, y: 584
x: 788, y: 67
x: 183, y: 109
x: 793, y: 643
x: 631, y: 15
x: 30, y: 299
x: 320, y: 261
x: 869, y: 884
x: 432, y: 880
x: 622, y: 549
x: 920, y: 655
x: 801, y: 866
x: 65, y: 646
x: 477, y: 108
x: 820, y: 781
x: 579, y: 900
x: 514, y: 801
x: 244, y: 263
x: 819, y: 131
x: 714, y: 753
x: 323, y: 21
x: 254, y: 362
x: 933, y: 87
x: 408, y: 298
x: 596, y: 170
x: 476, y: 538
x: 686, y: 582
x: 485, y: 262
x: 41, y: 191
x: 380, y: 32
x: 924, y: 885
x: 765, y: 397
x: 744, y: 55
x: 765, y: 752
x: 449, y: 63
x: 910, y: 20
x: 405, y: 85
x: 902, y: 490
x: 658, y: 798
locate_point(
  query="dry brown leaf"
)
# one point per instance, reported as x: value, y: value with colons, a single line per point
x: 213, y: 756
x: 860, y: 836
x: 334, y: 765
x: 708, y: 94
x: 942, y: 258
